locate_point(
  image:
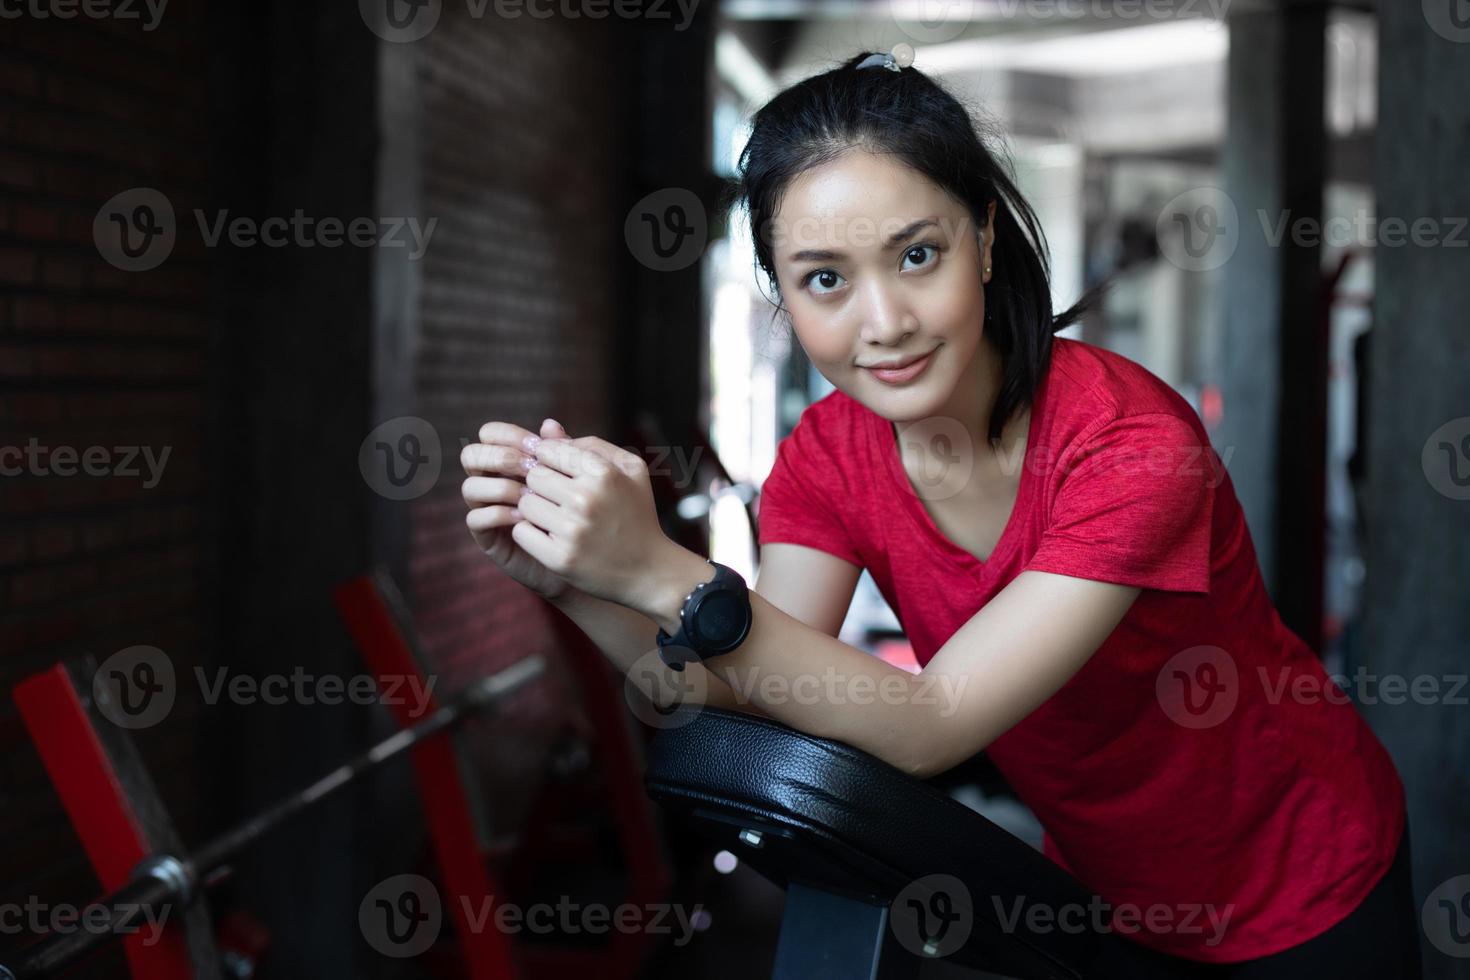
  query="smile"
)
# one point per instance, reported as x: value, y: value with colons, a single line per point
x: 899, y: 375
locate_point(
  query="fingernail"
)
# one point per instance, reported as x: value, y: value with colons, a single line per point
x: 525, y: 490
x: 529, y: 464
x: 531, y: 442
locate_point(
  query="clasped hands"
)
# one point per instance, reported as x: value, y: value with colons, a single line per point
x: 560, y: 514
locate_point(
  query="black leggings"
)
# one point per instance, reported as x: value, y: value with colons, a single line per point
x: 1379, y: 940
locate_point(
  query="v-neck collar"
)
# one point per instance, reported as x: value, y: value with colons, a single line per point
x: 920, y: 518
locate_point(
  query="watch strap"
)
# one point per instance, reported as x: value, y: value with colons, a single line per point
x: 679, y: 648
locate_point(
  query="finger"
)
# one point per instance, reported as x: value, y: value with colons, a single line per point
x: 480, y: 490
x: 571, y: 458
x: 537, y: 543
x: 552, y: 429
x: 624, y: 460
x: 556, y: 487
x: 478, y: 459
x: 601, y: 447
x: 503, y: 434
x: 488, y: 518
x: 546, y: 515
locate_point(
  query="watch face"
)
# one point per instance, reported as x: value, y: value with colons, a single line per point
x: 720, y: 619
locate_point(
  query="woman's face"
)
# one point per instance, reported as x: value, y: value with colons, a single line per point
x: 878, y: 267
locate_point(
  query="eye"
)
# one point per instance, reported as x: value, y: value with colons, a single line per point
x: 825, y: 276
x: 921, y: 251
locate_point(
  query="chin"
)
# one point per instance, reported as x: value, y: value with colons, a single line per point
x: 913, y: 403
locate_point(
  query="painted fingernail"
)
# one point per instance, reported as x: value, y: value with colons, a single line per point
x: 515, y: 513
x: 525, y: 490
x: 528, y: 464
x: 531, y: 442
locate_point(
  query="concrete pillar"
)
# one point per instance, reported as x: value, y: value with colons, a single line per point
x: 1275, y: 355
x: 1417, y: 616
x: 1250, y: 168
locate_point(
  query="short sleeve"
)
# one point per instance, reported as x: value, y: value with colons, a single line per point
x: 798, y: 500
x: 1133, y: 504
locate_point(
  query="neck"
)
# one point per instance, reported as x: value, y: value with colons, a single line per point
x: 973, y: 400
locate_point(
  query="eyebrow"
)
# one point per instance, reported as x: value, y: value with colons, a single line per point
x: 897, y: 238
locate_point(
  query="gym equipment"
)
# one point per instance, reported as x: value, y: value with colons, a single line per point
x: 377, y: 616
x: 121, y: 822
x: 172, y: 881
x: 881, y: 870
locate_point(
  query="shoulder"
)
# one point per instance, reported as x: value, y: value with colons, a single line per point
x: 1093, y: 388
x: 836, y: 407
x: 832, y: 425
x: 823, y: 442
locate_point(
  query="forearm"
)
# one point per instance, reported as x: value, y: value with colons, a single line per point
x: 625, y: 635
x: 809, y: 680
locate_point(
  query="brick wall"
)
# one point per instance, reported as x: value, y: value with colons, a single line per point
x: 91, y: 356
x: 523, y: 163
x: 261, y: 371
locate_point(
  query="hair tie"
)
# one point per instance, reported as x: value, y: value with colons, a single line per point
x: 896, y: 60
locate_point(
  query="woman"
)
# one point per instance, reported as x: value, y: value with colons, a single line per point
x: 1052, y: 528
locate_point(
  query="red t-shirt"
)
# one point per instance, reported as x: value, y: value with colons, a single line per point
x: 1202, y: 759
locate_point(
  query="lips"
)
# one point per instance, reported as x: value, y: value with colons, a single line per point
x: 906, y: 371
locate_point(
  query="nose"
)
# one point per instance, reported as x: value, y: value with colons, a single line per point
x: 886, y: 318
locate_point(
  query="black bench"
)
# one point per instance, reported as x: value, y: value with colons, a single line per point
x: 881, y: 870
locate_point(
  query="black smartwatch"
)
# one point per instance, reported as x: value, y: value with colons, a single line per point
x: 715, y: 619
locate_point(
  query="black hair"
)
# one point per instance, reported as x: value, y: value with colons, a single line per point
x: 908, y: 116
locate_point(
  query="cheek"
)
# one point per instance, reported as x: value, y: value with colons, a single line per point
x: 955, y: 312
x: 823, y: 338
x: 963, y: 303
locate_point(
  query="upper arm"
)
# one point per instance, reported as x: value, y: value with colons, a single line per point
x: 807, y: 584
x: 1013, y: 654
